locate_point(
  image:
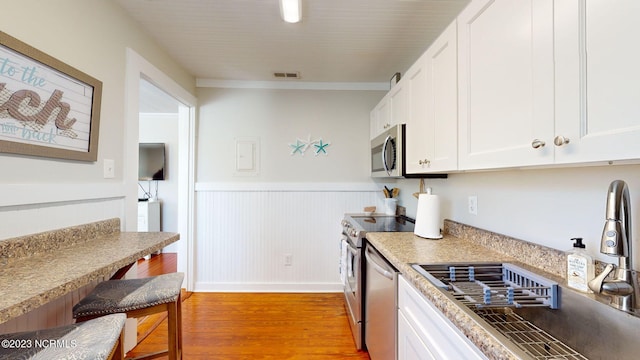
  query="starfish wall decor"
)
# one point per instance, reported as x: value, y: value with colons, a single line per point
x: 300, y: 146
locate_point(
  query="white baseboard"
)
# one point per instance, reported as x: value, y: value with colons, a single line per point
x: 268, y: 287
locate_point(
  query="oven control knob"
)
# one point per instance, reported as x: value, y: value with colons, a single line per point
x: 354, y: 233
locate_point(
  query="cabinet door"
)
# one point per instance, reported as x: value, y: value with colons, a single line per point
x: 597, y: 95
x: 431, y: 86
x: 442, y: 99
x: 383, y: 115
x: 410, y: 346
x: 506, y: 83
x: 419, y: 132
x: 373, y: 124
x: 440, y: 337
x: 398, y: 104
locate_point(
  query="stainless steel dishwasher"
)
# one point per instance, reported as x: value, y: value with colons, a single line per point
x: 381, y: 306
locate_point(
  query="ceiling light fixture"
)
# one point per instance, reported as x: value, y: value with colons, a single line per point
x: 291, y: 10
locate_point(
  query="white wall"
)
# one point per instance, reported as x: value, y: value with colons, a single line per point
x: 278, y: 118
x: 246, y: 224
x: 544, y: 206
x: 163, y: 128
x: 43, y: 194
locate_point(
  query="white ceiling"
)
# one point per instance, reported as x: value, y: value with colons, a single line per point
x: 357, y: 41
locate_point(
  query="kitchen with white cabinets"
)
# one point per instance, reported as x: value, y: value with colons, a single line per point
x: 529, y: 107
x: 544, y: 122
x: 528, y: 117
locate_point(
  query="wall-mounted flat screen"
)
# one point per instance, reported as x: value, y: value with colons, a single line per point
x: 151, y: 161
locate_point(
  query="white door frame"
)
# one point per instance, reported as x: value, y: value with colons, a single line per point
x: 137, y: 67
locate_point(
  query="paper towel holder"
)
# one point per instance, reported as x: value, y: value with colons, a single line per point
x: 428, y: 216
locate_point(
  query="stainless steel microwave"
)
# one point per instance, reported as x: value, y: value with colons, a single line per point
x: 387, y: 153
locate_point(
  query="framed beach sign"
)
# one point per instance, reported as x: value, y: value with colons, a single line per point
x: 47, y: 108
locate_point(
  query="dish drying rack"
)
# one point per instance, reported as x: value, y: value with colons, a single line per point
x: 498, y: 285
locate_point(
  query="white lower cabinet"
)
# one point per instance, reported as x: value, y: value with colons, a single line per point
x: 410, y: 345
x: 425, y: 333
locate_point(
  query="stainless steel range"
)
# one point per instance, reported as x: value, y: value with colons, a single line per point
x: 354, y: 229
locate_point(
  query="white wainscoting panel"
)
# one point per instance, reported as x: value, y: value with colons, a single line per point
x: 243, y: 237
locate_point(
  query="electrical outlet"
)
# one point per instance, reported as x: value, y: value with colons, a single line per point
x: 473, y: 205
x: 288, y: 259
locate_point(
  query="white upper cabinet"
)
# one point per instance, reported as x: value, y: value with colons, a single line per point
x: 505, y: 84
x: 539, y: 83
x: 419, y: 146
x: 398, y: 104
x: 380, y: 117
x: 391, y: 110
x: 431, y: 86
x: 597, y: 80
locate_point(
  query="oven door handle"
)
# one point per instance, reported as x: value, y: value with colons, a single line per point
x: 350, y: 259
x: 377, y: 267
x: 351, y: 249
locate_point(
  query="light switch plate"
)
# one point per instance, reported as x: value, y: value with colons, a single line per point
x: 109, y: 169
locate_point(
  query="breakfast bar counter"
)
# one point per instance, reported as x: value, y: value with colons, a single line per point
x: 39, y: 268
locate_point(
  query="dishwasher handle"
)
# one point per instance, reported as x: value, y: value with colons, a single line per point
x: 381, y: 269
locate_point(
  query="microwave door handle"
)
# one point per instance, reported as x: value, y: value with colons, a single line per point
x: 384, y: 154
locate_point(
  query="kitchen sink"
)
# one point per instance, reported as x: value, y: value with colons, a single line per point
x: 532, y: 324
x: 508, y: 299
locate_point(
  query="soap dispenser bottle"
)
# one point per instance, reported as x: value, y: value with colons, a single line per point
x: 580, y: 267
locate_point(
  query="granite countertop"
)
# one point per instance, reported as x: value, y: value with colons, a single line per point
x: 31, y: 281
x: 404, y: 248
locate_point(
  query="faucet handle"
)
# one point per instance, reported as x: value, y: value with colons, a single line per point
x: 596, y: 284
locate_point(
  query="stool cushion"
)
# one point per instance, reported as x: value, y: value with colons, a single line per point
x: 94, y: 339
x: 119, y: 296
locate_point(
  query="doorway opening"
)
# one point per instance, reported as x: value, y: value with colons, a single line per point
x: 150, y: 91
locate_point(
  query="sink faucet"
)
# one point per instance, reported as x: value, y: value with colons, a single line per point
x: 616, y: 241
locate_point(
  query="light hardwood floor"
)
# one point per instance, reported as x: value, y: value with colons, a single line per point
x: 256, y: 325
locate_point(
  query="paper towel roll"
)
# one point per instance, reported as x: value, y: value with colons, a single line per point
x: 428, y: 217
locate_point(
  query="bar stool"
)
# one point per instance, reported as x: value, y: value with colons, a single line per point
x: 137, y: 298
x: 99, y: 339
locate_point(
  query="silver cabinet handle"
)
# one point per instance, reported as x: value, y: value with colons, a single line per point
x: 537, y: 143
x: 424, y: 162
x: 560, y: 140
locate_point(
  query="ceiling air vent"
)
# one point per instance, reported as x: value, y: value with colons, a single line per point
x: 286, y: 75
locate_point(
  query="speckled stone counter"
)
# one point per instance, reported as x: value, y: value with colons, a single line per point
x: 470, y: 245
x: 38, y: 268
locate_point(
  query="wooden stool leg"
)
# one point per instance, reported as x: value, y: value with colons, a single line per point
x: 172, y: 318
x: 179, y: 312
x: 118, y: 352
